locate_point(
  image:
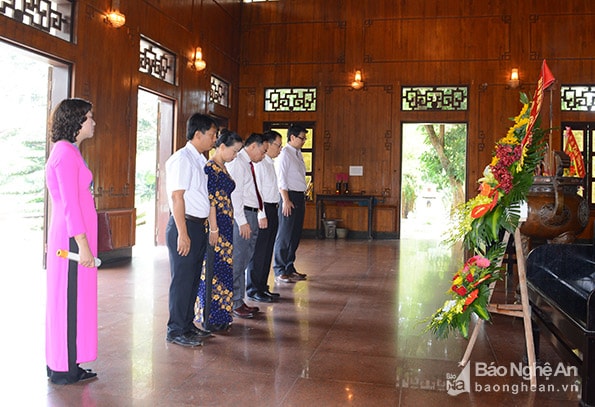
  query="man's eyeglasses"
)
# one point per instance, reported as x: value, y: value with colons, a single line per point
x: 303, y: 138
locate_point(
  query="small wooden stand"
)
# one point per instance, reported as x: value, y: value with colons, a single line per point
x: 516, y: 310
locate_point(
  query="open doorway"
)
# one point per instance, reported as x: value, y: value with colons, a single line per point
x: 30, y: 86
x: 433, y: 170
x: 154, y: 144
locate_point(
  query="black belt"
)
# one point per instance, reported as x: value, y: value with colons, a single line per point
x: 251, y: 209
x: 296, y: 192
x: 274, y: 204
x: 195, y: 219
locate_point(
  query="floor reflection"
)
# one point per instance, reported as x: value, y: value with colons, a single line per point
x: 351, y: 335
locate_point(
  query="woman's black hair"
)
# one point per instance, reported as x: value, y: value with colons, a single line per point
x: 68, y: 119
x: 228, y: 138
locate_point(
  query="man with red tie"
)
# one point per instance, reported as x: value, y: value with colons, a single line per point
x: 247, y: 202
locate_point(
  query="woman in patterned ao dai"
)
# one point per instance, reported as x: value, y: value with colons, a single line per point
x: 214, y: 301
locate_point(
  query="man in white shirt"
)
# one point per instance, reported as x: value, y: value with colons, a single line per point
x: 247, y: 202
x: 186, y: 186
x: 291, y: 176
x: 260, y: 265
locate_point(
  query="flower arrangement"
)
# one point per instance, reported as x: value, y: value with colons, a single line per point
x: 482, y: 221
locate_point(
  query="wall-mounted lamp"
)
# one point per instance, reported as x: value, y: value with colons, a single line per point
x: 198, y: 63
x: 114, y: 17
x: 357, y: 80
x: 514, y: 78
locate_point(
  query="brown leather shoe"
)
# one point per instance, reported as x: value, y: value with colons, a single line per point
x: 243, y: 312
x: 283, y: 278
x: 298, y: 276
x: 253, y: 310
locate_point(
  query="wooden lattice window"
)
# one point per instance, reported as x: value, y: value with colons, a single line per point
x: 290, y: 99
x: 157, y: 61
x: 414, y: 98
x: 578, y: 98
x: 51, y: 16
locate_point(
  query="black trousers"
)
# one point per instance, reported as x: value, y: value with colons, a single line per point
x: 71, y: 376
x: 185, y: 275
x: 260, y: 264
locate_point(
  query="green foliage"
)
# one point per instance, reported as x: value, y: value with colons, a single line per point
x: 408, y: 194
x: 454, y: 147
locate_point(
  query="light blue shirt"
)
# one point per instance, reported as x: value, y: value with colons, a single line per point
x: 291, y: 169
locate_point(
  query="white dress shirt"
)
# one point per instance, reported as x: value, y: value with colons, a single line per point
x: 245, y: 193
x: 266, y: 179
x: 291, y: 169
x: 184, y: 170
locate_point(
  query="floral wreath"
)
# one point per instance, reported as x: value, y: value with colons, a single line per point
x: 481, y: 222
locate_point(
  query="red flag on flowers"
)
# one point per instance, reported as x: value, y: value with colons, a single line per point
x: 577, y: 165
x: 545, y: 80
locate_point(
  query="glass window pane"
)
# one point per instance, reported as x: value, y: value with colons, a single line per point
x: 308, y: 161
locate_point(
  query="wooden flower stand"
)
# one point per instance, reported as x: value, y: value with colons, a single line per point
x: 515, y: 310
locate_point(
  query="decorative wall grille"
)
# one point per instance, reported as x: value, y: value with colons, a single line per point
x: 53, y: 17
x: 290, y: 99
x: 579, y: 98
x: 157, y: 61
x: 434, y: 98
x: 219, y: 91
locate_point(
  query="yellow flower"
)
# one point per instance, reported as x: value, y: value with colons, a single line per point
x: 522, y: 113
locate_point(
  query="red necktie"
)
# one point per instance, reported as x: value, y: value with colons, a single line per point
x: 256, y: 186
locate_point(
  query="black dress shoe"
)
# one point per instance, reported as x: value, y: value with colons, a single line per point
x: 86, y: 374
x: 184, y: 340
x: 272, y: 296
x: 219, y: 327
x: 260, y: 297
x: 70, y: 377
x: 200, y: 333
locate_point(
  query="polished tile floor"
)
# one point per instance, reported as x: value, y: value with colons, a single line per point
x: 351, y: 335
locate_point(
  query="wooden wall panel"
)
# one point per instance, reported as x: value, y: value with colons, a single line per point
x: 436, y: 39
x: 177, y: 10
x: 217, y: 24
x: 123, y: 227
x: 321, y: 43
x: 386, y: 219
x: 105, y: 71
x: 302, y: 43
x: 349, y: 140
x: 547, y: 42
x: 425, y: 42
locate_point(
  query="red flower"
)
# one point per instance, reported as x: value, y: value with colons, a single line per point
x: 459, y: 290
x: 471, y: 298
x: 469, y: 278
